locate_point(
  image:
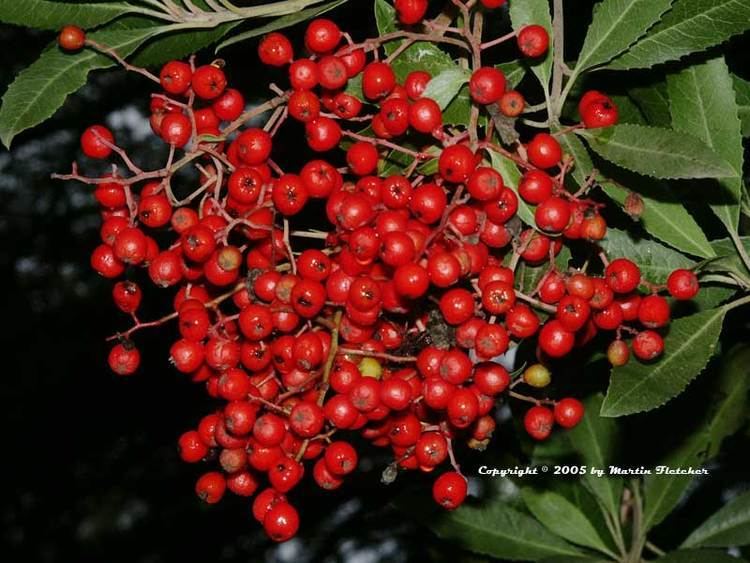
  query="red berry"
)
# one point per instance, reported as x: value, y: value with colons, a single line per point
x: 487, y: 85
x: 322, y: 36
x: 96, y: 142
x: 544, y: 151
x: 568, y: 412
x: 175, y: 77
x: 410, y: 11
x: 416, y: 82
x: 552, y: 215
x: 275, y: 50
x: 281, y: 522
x: 597, y: 110
x: 554, y: 340
x: 209, y: 82
x: 648, y: 345
x: 512, y: 103
x: 425, y: 115
x: 340, y: 458
x: 71, y: 38
x: 653, y: 311
x: 176, y: 129
x: 362, y: 158
x: 533, y: 41
x: 378, y: 80
x: 323, y: 134
x: 449, y: 490
x: 622, y: 275
x: 124, y: 358
x: 456, y: 163
x: 210, y: 487
x: 683, y: 284
x: 538, y: 422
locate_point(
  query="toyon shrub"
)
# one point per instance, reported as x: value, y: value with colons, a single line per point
x: 460, y: 251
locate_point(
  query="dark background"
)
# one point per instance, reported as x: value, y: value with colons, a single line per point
x: 90, y: 465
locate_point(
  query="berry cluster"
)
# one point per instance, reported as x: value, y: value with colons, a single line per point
x: 394, y: 319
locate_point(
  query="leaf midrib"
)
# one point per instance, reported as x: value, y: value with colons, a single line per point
x: 666, y: 362
x: 672, y: 27
x: 60, y: 71
x: 518, y: 539
x: 591, y: 52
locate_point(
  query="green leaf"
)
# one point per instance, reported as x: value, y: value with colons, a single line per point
x: 42, y: 14
x: 690, y: 26
x: 664, y: 216
x: 627, y: 109
x: 742, y: 91
x: 563, y: 517
x: 179, y: 45
x: 514, y: 72
x: 281, y: 23
x: 655, y: 260
x: 459, y: 110
x: 444, y: 87
x: 654, y: 103
x: 726, y: 413
x: 638, y: 387
x: 596, y: 441
x: 617, y: 24
x: 385, y: 18
x: 527, y: 12
x: 39, y: 90
x: 511, y: 177
x: 727, y: 527
x: 729, y: 259
x: 702, y: 103
x: 498, y: 530
x: 657, y: 152
x: 699, y: 556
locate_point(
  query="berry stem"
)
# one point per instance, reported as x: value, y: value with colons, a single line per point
x: 122, y: 62
x: 536, y: 303
x: 379, y: 355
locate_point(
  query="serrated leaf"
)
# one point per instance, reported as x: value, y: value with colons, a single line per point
x: 638, y: 387
x: 281, y: 23
x: 690, y: 26
x: 727, y: 409
x: 444, y: 87
x: 702, y: 104
x: 699, y: 556
x: 596, y: 440
x: 498, y: 530
x: 664, y: 216
x: 39, y: 90
x: 511, y: 177
x: 42, y: 14
x: 653, y: 101
x: 655, y: 260
x: 729, y: 526
x: 656, y: 152
x: 563, y: 517
x: 528, y: 12
x: 742, y: 94
x: 616, y: 25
